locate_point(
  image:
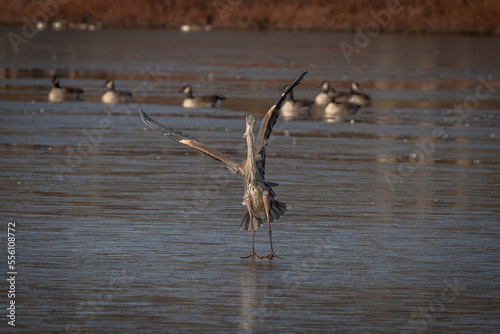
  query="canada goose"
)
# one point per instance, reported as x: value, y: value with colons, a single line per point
x: 54, y: 25
x: 94, y: 26
x: 200, y: 101
x: 339, y: 96
x: 327, y: 95
x: 41, y: 25
x: 196, y: 27
x: 341, y: 108
x: 87, y: 23
x: 336, y: 110
x: 292, y: 108
x: 323, y: 98
x: 60, y: 94
x: 357, y: 97
x: 58, y: 25
x: 112, y: 96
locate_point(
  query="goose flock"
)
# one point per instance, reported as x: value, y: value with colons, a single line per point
x: 329, y: 104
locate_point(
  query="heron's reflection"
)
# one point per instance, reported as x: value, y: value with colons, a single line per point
x: 254, y: 288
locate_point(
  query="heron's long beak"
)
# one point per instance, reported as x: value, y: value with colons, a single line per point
x: 250, y: 121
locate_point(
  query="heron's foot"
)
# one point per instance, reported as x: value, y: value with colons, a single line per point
x: 253, y: 256
x: 272, y: 255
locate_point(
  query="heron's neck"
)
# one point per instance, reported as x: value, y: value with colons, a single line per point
x: 250, y: 151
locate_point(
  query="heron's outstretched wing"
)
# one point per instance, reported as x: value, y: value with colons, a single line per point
x: 268, y: 122
x: 189, y: 141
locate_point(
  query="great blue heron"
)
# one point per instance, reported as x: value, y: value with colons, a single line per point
x: 259, y: 196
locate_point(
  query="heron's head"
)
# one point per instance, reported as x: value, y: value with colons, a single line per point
x: 250, y: 120
x: 110, y: 84
x: 325, y: 86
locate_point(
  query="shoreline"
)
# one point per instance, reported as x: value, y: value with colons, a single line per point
x: 370, y: 16
x: 312, y: 30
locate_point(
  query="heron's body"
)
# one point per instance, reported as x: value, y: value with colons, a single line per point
x: 112, y: 96
x: 258, y: 191
x: 259, y: 196
x: 208, y: 101
x: 60, y: 94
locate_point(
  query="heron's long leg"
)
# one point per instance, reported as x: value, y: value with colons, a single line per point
x: 265, y: 198
x: 252, y: 254
x: 253, y: 240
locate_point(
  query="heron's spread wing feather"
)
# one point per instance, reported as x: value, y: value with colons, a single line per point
x: 189, y: 141
x: 217, y: 155
x: 268, y: 122
x: 170, y: 132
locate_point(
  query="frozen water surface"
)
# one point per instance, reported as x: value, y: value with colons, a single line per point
x: 394, y: 225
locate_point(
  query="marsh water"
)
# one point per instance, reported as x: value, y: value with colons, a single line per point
x: 394, y: 225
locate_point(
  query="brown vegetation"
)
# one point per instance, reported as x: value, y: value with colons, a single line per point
x: 449, y: 16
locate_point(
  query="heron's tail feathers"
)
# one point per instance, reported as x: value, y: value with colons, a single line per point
x: 276, y: 210
x: 245, y: 222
